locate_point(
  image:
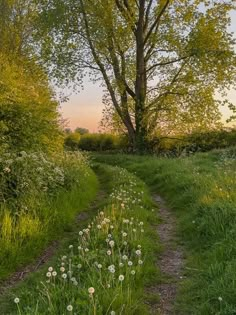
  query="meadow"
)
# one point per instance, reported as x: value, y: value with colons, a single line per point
x: 201, y: 190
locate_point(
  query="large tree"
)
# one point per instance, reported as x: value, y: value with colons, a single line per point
x: 154, y: 57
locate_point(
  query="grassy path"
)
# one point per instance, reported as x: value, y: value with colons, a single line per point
x: 128, y: 268
x: 201, y: 190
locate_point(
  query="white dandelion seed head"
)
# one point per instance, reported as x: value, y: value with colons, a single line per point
x: 108, y: 252
x: 125, y: 243
x: 99, y: 226
x: 112, y: 243
x: 71, y: 246
x: 140, y: 262
x: 91, y: 290
x: 69, y: 308
x: 86, y: 250
x: 124, y: 234
x: 132, y: 272
x: 79, y: 247
x: 121, y: 264
x: 220, y: 299
x: 130, y: 263
x: 64, y: 275
x: 99, y: 266
x: 16, y: 300
x: 121, y: 278
x: 48, y: 274
x: 138, y: 252
x: 124, y: 257
x: 79, y: 266
x: 54, y: 273
x: 80, y: 233
x: 50, y: 269
x: 62, y: 269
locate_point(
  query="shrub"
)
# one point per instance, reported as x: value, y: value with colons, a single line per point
x: 99, y: 142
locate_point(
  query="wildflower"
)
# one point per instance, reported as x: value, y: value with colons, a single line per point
x: 139, y: 246
x: 50, y: 269
x: 108, y: 252
x: 121, y: 264
x: 71, y: 246
x: 16, y: 300
x: 54, y: 273
x: 80, y: 233
x: 7, y: 170
x: 69, y: 308
x: 124, y: 257
x: 125, y: 243
x: 48, y: 274
x: 79, y: 266
x: 64, y: 257
x: 142, y: 231
x: 138, y: 252
x: 140, y: 262
x: 79, y: 247
x: 91, y: 290
x: 99, y: 266
x: 101, y: 213
x: 132, y: 272
x: 86, y: 250
x: 99, y: 227
x: 122, y: 205
x: 62, y: 269
x: 64, y: 275
x: 121, y: 278
x: 112, y: 243
x: 130, y: 263
x: 124, y: 234
x: 113, y: 313
x: 220, y: 299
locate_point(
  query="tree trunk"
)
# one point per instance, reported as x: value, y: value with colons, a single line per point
x: 140, y: 83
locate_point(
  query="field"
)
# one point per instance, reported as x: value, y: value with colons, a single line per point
x: 109, y: 260
x: 201, y: 190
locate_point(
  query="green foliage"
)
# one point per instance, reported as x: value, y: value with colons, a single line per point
x: 28, y: 113
x: 81, y: 131
x: 72, y: 140
x: 99, y: 142
x: 39, y: 197
x: 202, y: 192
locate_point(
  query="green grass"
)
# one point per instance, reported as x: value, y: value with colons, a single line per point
x: 126, y: 297
x: 22, y: 239
x: 202, y: 191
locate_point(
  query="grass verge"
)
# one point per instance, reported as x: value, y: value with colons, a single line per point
x: 24, y: 237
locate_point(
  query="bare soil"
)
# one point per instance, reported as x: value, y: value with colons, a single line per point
x: 170, y: 262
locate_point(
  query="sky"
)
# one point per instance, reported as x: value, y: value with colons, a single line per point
x: 84, y: 109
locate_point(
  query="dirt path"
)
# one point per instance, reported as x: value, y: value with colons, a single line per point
x: 170, y: 261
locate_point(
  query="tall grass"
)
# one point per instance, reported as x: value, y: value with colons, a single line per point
x: 202, y: 191
x: 32, y: 217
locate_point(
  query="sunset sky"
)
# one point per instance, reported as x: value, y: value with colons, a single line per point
x: 85, y: 108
